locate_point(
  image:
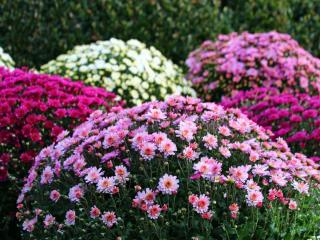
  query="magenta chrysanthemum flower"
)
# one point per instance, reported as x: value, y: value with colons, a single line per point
x: 36, y: 110
x: 296, y: 118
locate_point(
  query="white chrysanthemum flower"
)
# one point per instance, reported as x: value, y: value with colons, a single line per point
x: 5, y: 59
x: 130, y: 69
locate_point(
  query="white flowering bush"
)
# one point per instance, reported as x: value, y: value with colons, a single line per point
x: 179, y: 169
x: 135, y: 72
x: 5, y: 59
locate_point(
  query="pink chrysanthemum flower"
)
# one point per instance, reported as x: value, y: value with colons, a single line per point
x: 28, y: 225
x: 202, y: 167
x: 54, y: 195
x: 48, y: 220
x: 47, y: 175
x: 106, y: 184
x: 260, y: 170
x: 93, y: 175
x: 301, y: 187
x: 225, y: 152
x: 70, y: 217
x: 155, y: 114
x: 109, y: 218
x: 254, y: 198
x: 76, y: 193
x: 293, y: 205
x: 186, y: 130
x: 139, y: 139
x: 209, y: 168
x: 240, y: 173
x: 252, y: 185
x: 154, y: 211
x: 95, y: 212
x: 190, y: 154
x: 159, y: 137
x: 148, y: 150
x: 211, y: 141
x: 148, y: 196
x: 121, y: 173
x: 192, y: 199
x: 239, y: 61
x: 201, y: 205
x: 260, y: 173
x: 167, y: 147
x: 168, y: 184
x: 225, y: 131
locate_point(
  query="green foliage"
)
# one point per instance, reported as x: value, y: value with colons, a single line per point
x: 34, y: 32
x: 37, y: 31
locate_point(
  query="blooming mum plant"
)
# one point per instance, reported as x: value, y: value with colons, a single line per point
x: 34, y: 110
x: 244, y: 61
x: 130, y: 69
x: 166, y: 170
x: 5, y: 59
x: 295, y: 118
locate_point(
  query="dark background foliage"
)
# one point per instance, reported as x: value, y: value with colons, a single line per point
x: 36, y: 31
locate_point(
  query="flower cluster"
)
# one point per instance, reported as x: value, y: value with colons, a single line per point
x: 130, y: 69
x: 5, y: 59
x: 244, y: 61
x: 34, y: 110
x: 163, y: 169
x: 295, y: 118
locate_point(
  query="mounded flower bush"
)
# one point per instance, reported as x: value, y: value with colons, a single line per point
x: 34, y: 110
x: 295, y: 118
x: 130, y: 69
x: 168, y: 170
x: 5, y: 59
x: 245, y: 61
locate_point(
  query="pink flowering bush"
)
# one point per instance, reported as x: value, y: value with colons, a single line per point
x: 296, y: 118
x: 244, y: 61
x: 34, y: 110
x: 167, y: 170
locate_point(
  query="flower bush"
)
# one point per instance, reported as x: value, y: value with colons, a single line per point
x: 163, y: 170
x: 34, y: 110
x: 296, y: 118
x: 244, y: 61
x: 130, y: 69
x: 5, y: 59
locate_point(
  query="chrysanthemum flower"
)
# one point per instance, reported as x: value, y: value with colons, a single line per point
x: 35, y: 111
x: 48, y: 220
x: 132, y: 70
x: 154, y: 211
x: 106, y: 184
x: 254, y: 197
x: 168, y: 184
x: 109, y: 218
x: 201, y: 205
x: 5, y: 59
x: 54, y: 195
x: 246, y: 61
x: 144, y: 190
x: 76, y: 193
x: 294, y: 117
x: 94, y: 174
x: 95, y: 212
x: 70, y: 217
